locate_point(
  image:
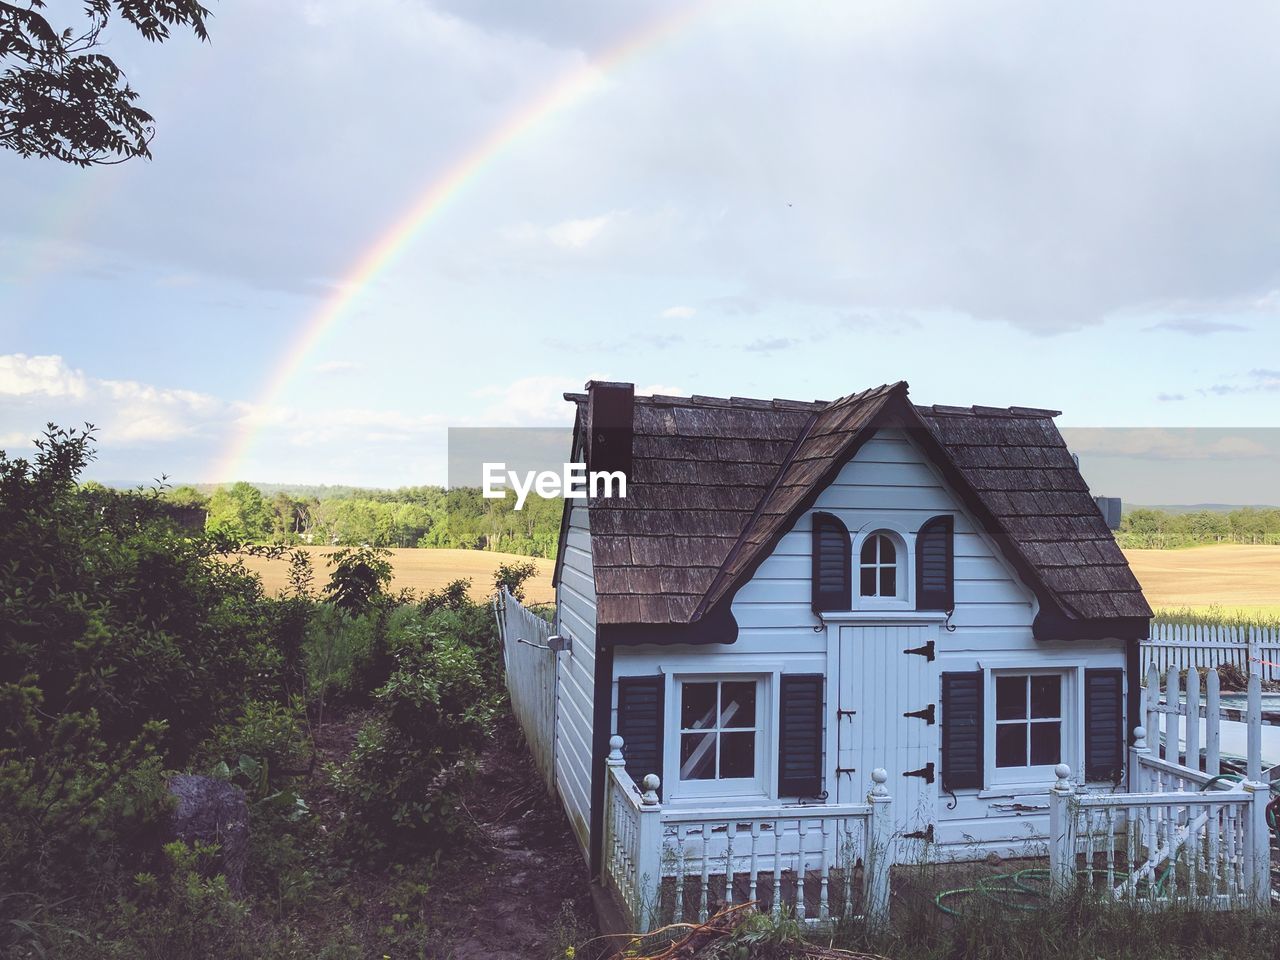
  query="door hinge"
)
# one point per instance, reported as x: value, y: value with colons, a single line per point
x: 926, y: 771
x: 840, y: 770
x: 926, y: 651
x: 926, y: 834
x: 845, y: 713
x: 925, y: 714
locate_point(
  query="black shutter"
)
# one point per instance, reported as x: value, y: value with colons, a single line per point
x: 800, y: 739
x: 962, y: 733
x: 640, y: 710
x: 935, y: 565
x: 832, y: 564
x: 1103, y: 724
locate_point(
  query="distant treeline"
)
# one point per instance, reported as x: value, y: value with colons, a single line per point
x: 407, y: 517
x: 1145, y: 528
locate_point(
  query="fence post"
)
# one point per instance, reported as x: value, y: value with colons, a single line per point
x: 1212, y: 724
x: 1172, y: 699
x: 1253, y: 754
x: 1193, y: 718
x: 1153, y: 714
x: 648, y: 854
x: 609, y: 840
x: 1254, y: 647
x: 1137, y: 772
x: 879, y: 849
x: 1062, y: 847
x: 1257, y: 865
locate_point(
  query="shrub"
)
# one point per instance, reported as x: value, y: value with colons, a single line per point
x: 400, y: 782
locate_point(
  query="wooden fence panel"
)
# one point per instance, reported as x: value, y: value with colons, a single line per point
x: 531, y: 679
x: 1181, y: 646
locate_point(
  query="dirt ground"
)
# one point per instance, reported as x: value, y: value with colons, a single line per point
x: 1232, y: 575
x: 421, y: 570
x: 521, y: 892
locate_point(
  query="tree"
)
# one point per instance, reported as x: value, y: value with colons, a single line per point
x: 240, y: 512
x: 61, y: 98
x: 186, y: 496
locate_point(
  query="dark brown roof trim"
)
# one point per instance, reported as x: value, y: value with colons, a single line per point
x: 717, y: 625
x: 563, y: 538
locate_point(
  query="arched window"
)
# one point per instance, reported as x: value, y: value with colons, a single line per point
x: 878, y: 567
x: 832, y: 563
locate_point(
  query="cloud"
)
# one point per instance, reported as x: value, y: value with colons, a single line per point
x: 678, y: 313
x: 1255, y: 381
x: 1187, y: 443
x: 333, y: 367
x: 126, y: 412
x: 1170, y: 397
x: 1199, y: 326
x: 771, y: 344
x: 565, y: 235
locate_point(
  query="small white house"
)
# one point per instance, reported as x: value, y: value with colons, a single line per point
x: 794, y: 595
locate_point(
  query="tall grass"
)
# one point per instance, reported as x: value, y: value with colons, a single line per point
x: 1218, y: 615
x: 1077, y: 927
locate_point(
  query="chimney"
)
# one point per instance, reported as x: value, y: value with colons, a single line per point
x: 610, y: 409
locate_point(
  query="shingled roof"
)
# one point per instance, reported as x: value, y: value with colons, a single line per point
x: 715, y: 483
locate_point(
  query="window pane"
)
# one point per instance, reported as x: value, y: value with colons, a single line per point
x: 1011, y: 745
x: 887, y: 552
x: 738, y: 704
x: 1046, y: 697
x: 1011, y: 698
x: 698, y: 706
x: 698, y: 756
x: 868, y: 588
x: 888, y: 581
x: 869, y: 550
x: 1046, y: 739
x: 738, y: 755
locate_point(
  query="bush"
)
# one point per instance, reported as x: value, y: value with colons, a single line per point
x: 268, y: 733
x: 401, y: 781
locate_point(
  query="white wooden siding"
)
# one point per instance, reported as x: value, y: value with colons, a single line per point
x: 576, y: 610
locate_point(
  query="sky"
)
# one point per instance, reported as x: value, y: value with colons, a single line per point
x: 1072, y: 207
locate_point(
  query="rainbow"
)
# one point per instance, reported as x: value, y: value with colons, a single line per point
x: 442, y: 189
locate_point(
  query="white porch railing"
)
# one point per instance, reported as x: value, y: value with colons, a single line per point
x: 1184, y: 837
x: 679, y: 864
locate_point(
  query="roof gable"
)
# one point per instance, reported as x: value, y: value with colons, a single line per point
x: 716, y: 483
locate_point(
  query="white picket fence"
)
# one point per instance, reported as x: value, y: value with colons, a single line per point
x: 672, y: 864
x: 1250, y: 649
x: 1181, y: 742
x: 531, y: 678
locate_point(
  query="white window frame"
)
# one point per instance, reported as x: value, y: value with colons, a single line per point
x: 755, y: 788
x: 904, y: 546
x: 1072, y: 720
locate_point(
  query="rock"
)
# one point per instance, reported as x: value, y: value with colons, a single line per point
x: 213, y: 811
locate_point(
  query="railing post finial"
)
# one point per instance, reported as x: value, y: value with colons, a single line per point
x: 879, y: 777
x: 650, y: 785
x: 1140, y: 738
x: 1063, y: 773
x: 615, y: 751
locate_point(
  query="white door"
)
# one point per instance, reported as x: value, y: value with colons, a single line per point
x: 887, y: 687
